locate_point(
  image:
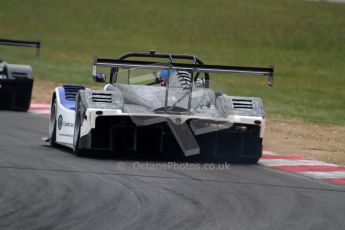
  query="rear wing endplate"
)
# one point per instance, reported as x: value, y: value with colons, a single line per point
x: 34, y: 44
x: 233, y: 70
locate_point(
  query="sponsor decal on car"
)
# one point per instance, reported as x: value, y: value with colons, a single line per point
x: 61, y: 123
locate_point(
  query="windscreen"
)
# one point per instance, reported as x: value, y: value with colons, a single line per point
x: 166, y: 90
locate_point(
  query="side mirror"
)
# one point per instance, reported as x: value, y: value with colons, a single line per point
x: 99, y: 77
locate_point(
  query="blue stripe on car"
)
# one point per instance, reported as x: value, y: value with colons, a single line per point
x: 67, y: 95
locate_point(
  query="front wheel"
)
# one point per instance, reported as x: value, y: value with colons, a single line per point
x: 77, y: 125
x: 76, y: 138
x: 52, y: 124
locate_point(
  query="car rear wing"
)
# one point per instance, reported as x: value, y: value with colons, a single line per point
x: 233, y: 70
x: 34, y: 44
x: 154, y: 54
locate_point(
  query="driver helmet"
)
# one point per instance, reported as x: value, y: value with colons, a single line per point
x: 164, y: 74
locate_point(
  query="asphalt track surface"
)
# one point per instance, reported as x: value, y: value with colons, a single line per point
x: 46, y: 188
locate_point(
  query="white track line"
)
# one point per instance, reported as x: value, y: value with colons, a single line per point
x: 38, y: 105
x: 284, y: 162
x: 325, y: 175
x: 40, y: 111
x: 268, y: 152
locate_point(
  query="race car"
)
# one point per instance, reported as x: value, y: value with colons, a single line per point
x: 161, y: 103
x: 16, y: 81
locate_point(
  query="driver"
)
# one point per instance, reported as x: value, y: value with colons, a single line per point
x: 164, y: 75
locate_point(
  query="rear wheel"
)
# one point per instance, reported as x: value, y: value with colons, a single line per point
x: 246, y: 160
x: 251, y: 146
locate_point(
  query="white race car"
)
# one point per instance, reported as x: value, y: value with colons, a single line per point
x: 160, y: 104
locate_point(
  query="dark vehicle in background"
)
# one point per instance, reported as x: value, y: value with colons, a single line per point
x: 16, y: 80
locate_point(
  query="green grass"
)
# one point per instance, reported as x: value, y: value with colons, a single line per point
x: 304, y: 40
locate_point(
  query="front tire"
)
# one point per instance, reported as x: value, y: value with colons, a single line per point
x: 52, y: 124
x: 77, y: 126
x: 76, y: 149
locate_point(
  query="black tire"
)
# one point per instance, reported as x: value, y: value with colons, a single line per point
x: 52, y: 123
x: 76, y: 149
x: 23, y: 94
x: 246, y: 160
